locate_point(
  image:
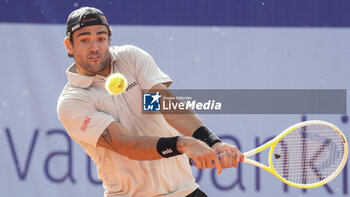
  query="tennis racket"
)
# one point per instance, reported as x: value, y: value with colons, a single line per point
x: 306, y: 155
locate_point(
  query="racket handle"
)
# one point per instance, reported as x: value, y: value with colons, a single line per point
x: 193, y: 163
x: 241, y: 159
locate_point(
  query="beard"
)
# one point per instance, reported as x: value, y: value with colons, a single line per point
x: 95, y: 67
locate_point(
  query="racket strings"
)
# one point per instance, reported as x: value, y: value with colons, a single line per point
x: 308, y: 154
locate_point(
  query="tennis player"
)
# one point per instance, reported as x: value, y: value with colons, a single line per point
x: 136, y: 154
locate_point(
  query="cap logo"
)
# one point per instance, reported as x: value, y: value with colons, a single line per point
x: 75, y: 27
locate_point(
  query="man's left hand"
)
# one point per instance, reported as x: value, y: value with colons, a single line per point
x: 229, y: 154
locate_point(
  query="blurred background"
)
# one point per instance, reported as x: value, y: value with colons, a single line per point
x: 200, y: 44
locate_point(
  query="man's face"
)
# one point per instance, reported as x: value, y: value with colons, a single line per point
x: 90, y: 49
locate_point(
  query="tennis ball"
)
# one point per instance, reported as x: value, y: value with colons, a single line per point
x: 116, y: 83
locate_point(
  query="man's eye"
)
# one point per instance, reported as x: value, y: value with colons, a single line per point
x: 102, y: 39
x: 83, y: 40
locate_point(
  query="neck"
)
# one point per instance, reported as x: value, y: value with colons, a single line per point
x: 105, y: 72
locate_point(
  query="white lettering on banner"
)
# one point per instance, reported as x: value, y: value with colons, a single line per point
x: 193, y: 105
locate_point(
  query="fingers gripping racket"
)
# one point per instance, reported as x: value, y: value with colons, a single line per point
x: 306, y: 155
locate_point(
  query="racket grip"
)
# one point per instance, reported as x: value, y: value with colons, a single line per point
x: 193, y: 163
x: 241, y: 159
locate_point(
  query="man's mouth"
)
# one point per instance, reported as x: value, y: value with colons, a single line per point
x: 94, y: 58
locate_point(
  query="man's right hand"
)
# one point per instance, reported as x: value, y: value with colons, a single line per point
x: 199, y: 152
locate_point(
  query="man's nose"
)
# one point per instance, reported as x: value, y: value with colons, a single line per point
x: 94, y: 46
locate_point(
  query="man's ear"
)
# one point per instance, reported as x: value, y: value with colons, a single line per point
x: 69, y: 46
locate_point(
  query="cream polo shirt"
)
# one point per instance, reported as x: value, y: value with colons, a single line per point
x: 86, y: 109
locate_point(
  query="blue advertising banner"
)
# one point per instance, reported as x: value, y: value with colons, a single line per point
x: 274, y: 13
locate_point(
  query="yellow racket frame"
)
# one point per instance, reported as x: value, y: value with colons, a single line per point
x: 272, y: 143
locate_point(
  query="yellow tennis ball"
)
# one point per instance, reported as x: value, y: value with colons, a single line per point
x: 116, y: 83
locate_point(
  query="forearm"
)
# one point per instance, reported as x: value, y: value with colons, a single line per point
x: 184, y: 123
x: 183, y: 120
x: 141, y: 148
x: 189, y: 124
x: 116, y: 138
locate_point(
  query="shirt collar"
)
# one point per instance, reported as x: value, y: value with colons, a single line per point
x: 81, y: 81
x: 113, y: 54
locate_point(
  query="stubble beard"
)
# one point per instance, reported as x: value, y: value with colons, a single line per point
x: 97, y: 67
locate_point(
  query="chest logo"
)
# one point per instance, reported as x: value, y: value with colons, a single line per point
x: 131, y: 85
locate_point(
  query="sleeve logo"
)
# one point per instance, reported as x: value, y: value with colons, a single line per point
x: 85, y: 124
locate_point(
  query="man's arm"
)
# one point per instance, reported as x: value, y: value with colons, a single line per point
x: 187, y: 122
x: 117, y: 138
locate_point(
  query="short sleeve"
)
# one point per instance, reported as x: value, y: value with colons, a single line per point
x: 147, y: 72
x: 81, y: 120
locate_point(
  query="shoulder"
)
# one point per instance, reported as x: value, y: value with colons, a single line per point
x: 126, y: 50
x: 71, y: 96
x: 72, y: 92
